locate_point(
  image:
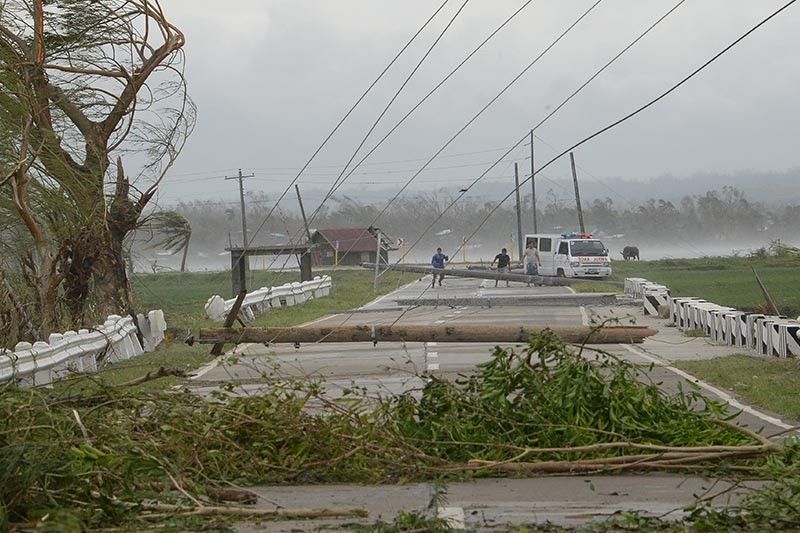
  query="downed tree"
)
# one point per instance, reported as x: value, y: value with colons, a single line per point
x: 489, y: 274
x: 443, y: 333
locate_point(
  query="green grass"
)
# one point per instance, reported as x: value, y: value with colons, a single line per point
x: 182, y: 296
x: 723, y: 280
x: 770, y: 383
x: 173, y: 354
x: 594, y: 286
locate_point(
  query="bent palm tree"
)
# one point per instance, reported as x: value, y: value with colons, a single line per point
x: 175, y: 232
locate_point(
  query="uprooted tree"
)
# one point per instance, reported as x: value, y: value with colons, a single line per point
x: 83, y: 83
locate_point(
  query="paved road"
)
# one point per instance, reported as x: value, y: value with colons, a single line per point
x: 391, y: 368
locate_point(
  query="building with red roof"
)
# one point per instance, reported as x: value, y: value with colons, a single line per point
x: 355, y: 246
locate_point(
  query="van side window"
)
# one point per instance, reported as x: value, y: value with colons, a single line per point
x: 562, y: 248
x: 530, y: 240
x: 545, y: 244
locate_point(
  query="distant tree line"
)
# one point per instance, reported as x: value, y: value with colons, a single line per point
x: 717, y: 215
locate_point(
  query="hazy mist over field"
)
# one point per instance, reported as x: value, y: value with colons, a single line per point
x: 669, y: 217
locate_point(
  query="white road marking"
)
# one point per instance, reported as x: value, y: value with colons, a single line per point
x: 433, y: 366
x: 320, y: 319
x: 431, y: 343
x: 457, y: 312
x: 433, y: 354
x: 381, y: 298
x: 439, y: 322
x: 724, y: 396
x: 454, y: 516
x: 205, y: 369
x: 584, y: 316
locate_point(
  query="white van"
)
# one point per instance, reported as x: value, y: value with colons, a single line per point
x: 571, y: 255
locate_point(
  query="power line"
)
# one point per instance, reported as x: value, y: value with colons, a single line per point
x: 338, y: 183
x: 469, y: 56
x: 481, y: 111
x: 339, y: 179
x: 349, y: 112
x: 550, y: 115
x: 384, y: 111
x: 647, y: 105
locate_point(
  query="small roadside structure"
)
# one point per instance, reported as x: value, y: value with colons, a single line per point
x: 239, y: 263
x: 349, y: 246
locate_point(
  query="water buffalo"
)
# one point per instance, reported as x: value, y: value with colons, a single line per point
x: 630, y: 252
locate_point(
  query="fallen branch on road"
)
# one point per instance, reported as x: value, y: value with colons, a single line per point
x: 152, y: 375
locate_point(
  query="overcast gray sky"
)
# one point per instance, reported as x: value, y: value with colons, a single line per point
x: 272, y: 77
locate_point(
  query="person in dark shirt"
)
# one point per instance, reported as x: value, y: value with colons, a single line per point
x: 437, y: 261
x: 503, y: 263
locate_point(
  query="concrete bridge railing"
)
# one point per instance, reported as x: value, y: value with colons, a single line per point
x: 82, y: 351
x: 261, y: 300
x: 773, y: 335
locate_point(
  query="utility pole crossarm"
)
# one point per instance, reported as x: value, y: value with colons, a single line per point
x: 241, y: 178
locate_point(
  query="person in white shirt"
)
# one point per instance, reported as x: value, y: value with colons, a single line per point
x: 532, y: 261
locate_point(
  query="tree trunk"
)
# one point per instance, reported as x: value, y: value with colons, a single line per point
x: 183, y: 259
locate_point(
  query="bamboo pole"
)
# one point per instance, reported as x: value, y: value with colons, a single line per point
x: 417, y: 333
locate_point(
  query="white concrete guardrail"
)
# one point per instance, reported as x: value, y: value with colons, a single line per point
x: 82, y: 351
x: 262, y: 300
x: 763, y: 334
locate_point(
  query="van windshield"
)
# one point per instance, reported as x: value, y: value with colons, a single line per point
x: 588, y: 248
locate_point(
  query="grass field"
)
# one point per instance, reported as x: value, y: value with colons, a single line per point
x: 723, y: 280
x: 770, y: 383
x: 182, y: 296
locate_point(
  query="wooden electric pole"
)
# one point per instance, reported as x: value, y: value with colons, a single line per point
x: 302, y: 212
x: 241, y: 178
x: 519, y: 210
x: 242, y: 262
x: 533, y: 188
x: 577, y: 192
x: 423, y: 333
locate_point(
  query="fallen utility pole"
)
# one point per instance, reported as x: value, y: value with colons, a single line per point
x: 549, y: 300
x: 489, y: 274
x: 231, y: 318
x: 417, y: 333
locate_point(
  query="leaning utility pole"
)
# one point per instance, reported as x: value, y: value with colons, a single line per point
x: 240, y: 177
x: 377, y: 261
x: 519, y: 210
x: 302, y: 212
x: 577, y: 193
x: 533, y: 188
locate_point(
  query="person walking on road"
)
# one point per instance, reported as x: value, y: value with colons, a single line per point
x: 503, y: 264
x: 437, y: 261
x: 532, y: 261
